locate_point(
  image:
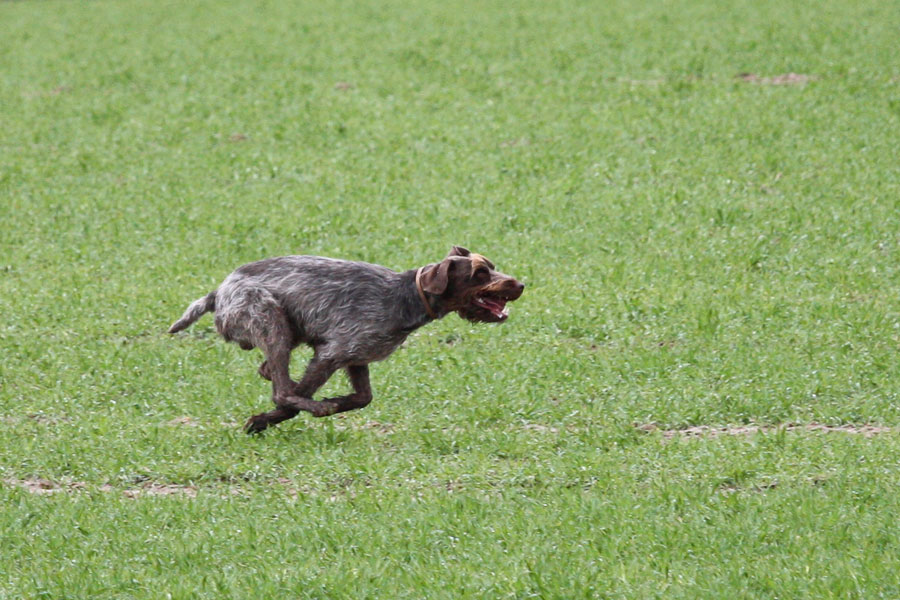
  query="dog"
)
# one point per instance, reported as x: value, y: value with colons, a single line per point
x: 350, y: 313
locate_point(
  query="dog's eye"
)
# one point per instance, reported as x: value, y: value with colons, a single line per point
x: 482, y: 272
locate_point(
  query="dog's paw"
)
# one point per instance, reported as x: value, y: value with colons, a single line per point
x: 324, y: 408
x: 256, y: 424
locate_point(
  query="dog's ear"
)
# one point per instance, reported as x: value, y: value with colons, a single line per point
x: 458, y: 251
x: 436, y: 277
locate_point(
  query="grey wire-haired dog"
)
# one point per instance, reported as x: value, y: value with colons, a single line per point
x: 351, y: 313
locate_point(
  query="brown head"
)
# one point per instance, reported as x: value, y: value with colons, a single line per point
x: 468, y: 284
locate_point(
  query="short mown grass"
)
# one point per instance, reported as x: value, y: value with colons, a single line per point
x: 702, y: 198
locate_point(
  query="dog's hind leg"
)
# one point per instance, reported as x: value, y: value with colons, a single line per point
x: 266, y: 327
x: 290, y: 397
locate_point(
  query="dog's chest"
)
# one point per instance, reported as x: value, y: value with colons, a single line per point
x: 374, y: 348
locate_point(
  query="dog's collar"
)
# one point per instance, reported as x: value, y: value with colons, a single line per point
x: 419, y: 289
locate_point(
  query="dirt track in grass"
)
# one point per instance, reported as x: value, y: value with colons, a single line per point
x: 733, y: 430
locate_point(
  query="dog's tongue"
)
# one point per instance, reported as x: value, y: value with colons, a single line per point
x: 497, y: 307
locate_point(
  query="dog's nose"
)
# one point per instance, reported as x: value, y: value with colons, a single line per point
x: 520, y: 287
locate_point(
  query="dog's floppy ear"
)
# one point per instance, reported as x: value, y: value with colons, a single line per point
x: 458, y: 251
x: 435, y: 277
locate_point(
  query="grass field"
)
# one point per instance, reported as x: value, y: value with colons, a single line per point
x: 702, y: 198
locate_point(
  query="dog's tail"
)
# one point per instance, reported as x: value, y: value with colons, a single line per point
x: 196, y: 310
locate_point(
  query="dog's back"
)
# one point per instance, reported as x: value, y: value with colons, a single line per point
x: 344, y: 304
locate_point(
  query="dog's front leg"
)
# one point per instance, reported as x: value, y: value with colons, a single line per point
x: 362, y: 390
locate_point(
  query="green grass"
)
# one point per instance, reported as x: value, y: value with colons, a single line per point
x: 698, y: 250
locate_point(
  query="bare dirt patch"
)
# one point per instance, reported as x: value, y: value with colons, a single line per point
x: 714, y: 431
x: 154, y: 489
x: 39, y: 418
x: 60, y: 89
x: 784, y: 79
x: 382, y: 428
x: 731, y: 488
x: 48, y: 420
x: 540, y: 428
x: 37, y: 485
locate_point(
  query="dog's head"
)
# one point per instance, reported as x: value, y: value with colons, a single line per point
x: 468, y: 284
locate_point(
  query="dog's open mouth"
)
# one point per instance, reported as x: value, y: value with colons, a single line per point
x: 496, y: 305
x: 493, y: 304
x: 489, y: 304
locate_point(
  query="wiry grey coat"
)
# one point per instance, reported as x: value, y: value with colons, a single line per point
x: 351, y: 313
